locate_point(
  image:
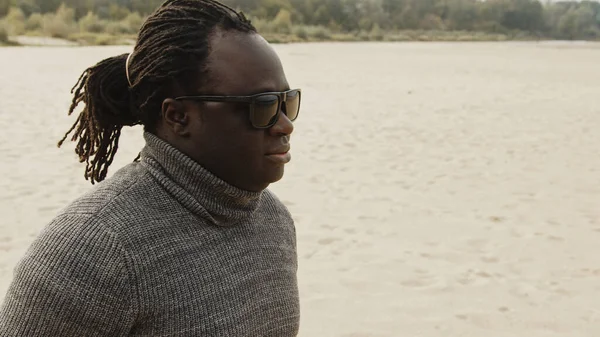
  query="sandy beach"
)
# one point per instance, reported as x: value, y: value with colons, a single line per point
x: 438, y: 189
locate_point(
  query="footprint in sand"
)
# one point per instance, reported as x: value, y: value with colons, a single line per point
x: 350, y: 230
x: 477, y: 245
x: 327, y: 241
x: 366, y: 217
x: 554, y: 238
x: 478, y: 320
x: 472, y: 277
x: 422, y: 279
x: 497, y: 219
x: 462, y: 317
x: 5, y: 243
x: 416, y: 283
x: 490, y: 259
x: 515, y: 234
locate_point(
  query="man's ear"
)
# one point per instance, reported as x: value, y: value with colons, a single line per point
x: 176, y: 117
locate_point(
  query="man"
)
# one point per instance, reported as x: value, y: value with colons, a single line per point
x: 187, y: 240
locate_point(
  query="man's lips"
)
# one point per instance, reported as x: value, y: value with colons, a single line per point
x: 279, y: 151
x: 280, y: 156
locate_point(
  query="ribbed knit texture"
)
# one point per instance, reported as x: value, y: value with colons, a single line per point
x: 163, y: 248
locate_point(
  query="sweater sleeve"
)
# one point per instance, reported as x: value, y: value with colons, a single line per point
x: 73, y: 281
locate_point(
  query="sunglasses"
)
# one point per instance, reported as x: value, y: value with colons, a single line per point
x: 264, y: 107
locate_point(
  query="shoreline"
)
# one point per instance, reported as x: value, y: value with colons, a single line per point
x: 409, y: 36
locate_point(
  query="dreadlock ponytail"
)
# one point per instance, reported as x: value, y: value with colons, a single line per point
x: 104, y: 90
x: 171, y: 49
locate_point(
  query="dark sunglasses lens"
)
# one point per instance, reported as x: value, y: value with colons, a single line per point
x: 292, y: 104
x: 265, y: 110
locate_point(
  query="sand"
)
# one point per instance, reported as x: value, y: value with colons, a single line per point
x: 42, y: 41
x: 438, y: 189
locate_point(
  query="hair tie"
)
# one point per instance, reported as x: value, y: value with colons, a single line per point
x: 127, y: 69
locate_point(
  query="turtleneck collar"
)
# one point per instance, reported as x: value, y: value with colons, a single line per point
x: 200, y: 191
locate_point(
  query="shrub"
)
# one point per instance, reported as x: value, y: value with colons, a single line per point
x: 318, y: 32
x: 432, y: 22
x: 363, y: 36
x: 34, y: 22
x: 3, y: 32
x: 134, y: 22
x: 117, y: 12
x: 91, y: 23
x: 283, y: 22
x: 53, y: 26
x: 301, y: 32
x: 16, y: 21
x: 263, y: 26
x: 118, y: 28
x: 66, y: 14
x: 376, y: 33
x: 61, y: 24
x: 4, y: 7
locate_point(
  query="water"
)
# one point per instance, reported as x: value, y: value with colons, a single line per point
x: 438, y: 189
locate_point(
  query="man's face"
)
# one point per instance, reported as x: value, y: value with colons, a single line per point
x: 221, y: 136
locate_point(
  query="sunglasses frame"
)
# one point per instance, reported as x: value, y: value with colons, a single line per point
x: 251, y: 99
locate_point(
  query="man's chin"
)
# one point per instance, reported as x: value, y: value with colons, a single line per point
x: 275, y: 175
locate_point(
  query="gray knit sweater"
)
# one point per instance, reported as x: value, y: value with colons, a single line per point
x: 163, y: 248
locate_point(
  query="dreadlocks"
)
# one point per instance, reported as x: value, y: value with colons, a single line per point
x: 172, y: 48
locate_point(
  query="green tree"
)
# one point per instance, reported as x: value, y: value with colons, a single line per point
x: 3, y: 33
x: 145, y: 7
x: 4, y: 7
x: 585, y: 22
x: 322, y: 16
x: 392, y: 10
x: 568, y: 19
x: 16, y: 21
x: 48, y: 6
x: 117, y: 12
x: 408, y: 18
x: 339, y: 13
x: 268, y: 9
x: 524, y: 15
x: 28, y: 6
x: 82, y: 7
x: 432, y: 22
x: 462, y: 14
x: 567, y: 26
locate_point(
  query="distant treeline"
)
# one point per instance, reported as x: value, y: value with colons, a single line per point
x: 371, y: 19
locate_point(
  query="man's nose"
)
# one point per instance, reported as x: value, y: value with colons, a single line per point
x: 283, y: 127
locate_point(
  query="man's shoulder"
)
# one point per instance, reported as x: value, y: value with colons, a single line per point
x: 131, y: 194
x: 109, y: 192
